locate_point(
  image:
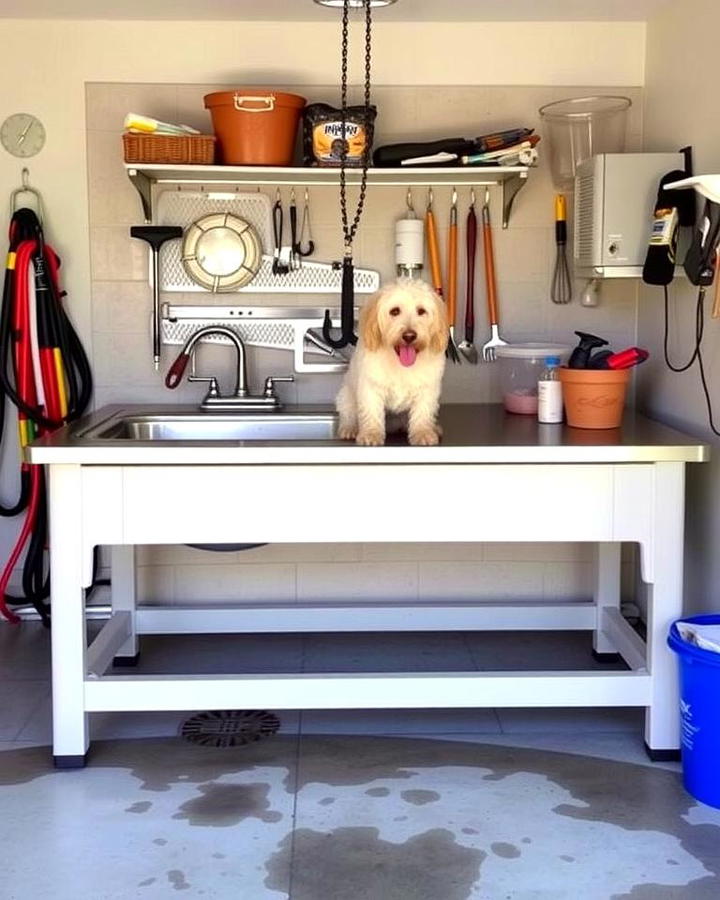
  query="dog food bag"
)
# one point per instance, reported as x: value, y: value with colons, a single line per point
x: 323, y: 134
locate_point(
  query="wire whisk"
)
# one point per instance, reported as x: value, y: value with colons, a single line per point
x: 561, y: 288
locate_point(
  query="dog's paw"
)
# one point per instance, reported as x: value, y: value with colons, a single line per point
x: 425, y: 437
x: 370, y: 438
x: 347, y: 432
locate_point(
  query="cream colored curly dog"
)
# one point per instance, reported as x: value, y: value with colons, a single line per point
x: 397, y: 366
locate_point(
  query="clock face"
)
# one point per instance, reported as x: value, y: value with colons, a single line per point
x: 22, y: 134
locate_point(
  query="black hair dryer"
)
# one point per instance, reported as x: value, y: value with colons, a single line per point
x: 701, y: 257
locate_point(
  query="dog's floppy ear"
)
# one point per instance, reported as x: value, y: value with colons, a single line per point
x: 369, y: 324
x: 440, y: 330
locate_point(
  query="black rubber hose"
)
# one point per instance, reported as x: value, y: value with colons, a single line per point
x: 77, y: 366
x: 80, y: 364
x: 5, y: 383
x: 21, y: 228
x: 35, y: 577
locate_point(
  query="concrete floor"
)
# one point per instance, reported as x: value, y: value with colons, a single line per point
x: 353, y: 805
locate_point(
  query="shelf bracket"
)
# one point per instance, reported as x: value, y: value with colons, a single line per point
x: 510, y: 189
x: 143, y: 185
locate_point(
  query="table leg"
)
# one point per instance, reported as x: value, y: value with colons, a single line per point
x: 123, y: 598
x: 663, y: 563
x: 607, y: 595
x: 69, y: 643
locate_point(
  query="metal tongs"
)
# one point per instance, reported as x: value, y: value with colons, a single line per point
x: 279, y: 265
x: 297, y: 252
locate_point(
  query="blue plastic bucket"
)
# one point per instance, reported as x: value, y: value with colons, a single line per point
x: 699, y: 714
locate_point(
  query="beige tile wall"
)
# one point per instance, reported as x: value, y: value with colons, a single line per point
x: 297, y: 573
x: 524, y: 257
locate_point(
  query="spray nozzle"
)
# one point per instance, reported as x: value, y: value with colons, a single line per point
x: 581, y: 354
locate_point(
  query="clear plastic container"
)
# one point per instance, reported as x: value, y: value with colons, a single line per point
x: 580, y: 128
x: 520, y: 368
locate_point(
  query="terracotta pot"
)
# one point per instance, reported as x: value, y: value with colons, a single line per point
x: 594, y: 398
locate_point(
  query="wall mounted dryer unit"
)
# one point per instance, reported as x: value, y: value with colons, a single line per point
x: 614, y: 202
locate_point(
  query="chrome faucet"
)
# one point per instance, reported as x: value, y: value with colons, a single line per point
x: 240, y: 399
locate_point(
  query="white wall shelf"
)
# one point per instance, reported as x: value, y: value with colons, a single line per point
x: 145, y: 175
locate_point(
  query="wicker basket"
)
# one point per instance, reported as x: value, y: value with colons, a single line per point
x: 195, y: 149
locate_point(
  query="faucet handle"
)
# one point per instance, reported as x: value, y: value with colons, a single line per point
x: 213, y: 390
x: 176, y: 370
x: 272, y: 380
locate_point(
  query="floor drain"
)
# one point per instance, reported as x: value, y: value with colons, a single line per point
x: 229, y: 727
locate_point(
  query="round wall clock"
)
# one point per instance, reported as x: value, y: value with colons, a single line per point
x: 22, y: 134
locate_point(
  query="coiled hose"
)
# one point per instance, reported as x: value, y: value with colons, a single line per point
x: 46, y: 375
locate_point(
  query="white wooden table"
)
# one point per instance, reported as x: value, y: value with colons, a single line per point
x: 600, y: 487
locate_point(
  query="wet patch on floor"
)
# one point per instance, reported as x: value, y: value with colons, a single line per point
x: 507, y: 851
x: 142, y: 806
x: 378, y: 792
x: 177, y: 880
x: 372, y: 816
x: 222, y: 805
x: 420, y: 798
x: 704, y: 889
x: 356, y: 864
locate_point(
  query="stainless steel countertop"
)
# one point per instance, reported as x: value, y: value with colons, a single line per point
x: 472, y: 434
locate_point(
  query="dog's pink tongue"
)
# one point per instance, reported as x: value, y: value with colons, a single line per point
x: 407, y: 354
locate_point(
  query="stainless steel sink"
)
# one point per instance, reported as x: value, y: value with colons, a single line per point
x: 272, y: 426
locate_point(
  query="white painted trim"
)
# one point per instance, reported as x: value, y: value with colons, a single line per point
x: 123, y: 593
x: 665, y: 601
x: 439, y: 690
x: 626, y: 641
x: 348, y: 617
x: 107, y: 642
x: 607, y: 590
x: 67, y: 527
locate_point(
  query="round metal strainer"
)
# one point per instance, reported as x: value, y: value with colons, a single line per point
x: 229, y: 727
x: 221, y: 252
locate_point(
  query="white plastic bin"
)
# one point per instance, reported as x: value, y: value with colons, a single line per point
x: 520, y: 368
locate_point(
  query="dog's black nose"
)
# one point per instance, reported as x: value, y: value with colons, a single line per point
x: 409, y: 336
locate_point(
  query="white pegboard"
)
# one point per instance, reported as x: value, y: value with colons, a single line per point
x: 275, y: 335
x: 277, y: 328
x: 182, y: 208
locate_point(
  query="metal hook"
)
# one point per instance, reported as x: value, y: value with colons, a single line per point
x: 409, y: 204
x: 26, y: 188
x: 306, y: 230
x: 430, y: 198
x: 454, y: 197
x: 487, y: 196
x: 472, y: 196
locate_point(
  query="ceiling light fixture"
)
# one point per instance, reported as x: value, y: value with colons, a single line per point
x: 354, y: 4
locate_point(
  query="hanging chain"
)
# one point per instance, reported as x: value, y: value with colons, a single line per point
x: 349, y: 231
